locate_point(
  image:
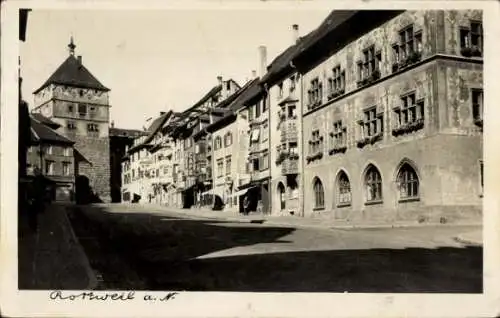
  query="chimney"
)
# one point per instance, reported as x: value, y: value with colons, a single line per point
x: 79, y: 57
x: 219, y: 79
x: 254, y: 74
x: 162, y: 113
x: 112, y: 124
x: 262, y: 60
x: 295, y: 33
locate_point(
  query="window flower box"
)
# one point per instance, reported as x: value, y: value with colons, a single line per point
x: 338, y: 149
x: 282, y: 156
x: 374, y: 76
x: 478, y: 122
x: 369, y: 140
x: 476, y: 51
x: 408, y: 128
x: 395, y: 67
x: 466, y: 51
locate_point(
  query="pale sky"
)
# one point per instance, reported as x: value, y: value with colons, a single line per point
x: 157, y: 60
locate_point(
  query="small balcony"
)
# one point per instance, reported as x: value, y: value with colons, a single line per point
x: 289, y: 132
x: 290, y: 166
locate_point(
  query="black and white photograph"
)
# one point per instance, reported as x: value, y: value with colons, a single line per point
x: 220, y: 150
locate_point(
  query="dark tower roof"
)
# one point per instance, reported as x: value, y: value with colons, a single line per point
x: 72, y: 73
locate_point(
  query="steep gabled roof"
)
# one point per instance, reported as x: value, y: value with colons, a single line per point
x: 152, y: 130
x: 130, y: 133
x: 72, y: 73
x: 46, y: 121
x: 43, y: 133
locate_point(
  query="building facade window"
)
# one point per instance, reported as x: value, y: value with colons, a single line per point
x: 339, y: 135
x: 319, y: 194
x: 49, y: 150
x: 373, y: 185
x: 65, y: 168
x: 280, y: 90
x: 92, y: 128
x: 316, y: 143
x: 369, y: 65
x: 343, y: 190
x: 265, y: 133
x: 336, y: 84
x: 292, y: 84
x: 471, y: 39
x: 82, y: 110
x: 371, y: 123
x: 228, y: 165
x: 315, y: 93
x: 477, y: 106
x: 68, y: 151
x: 70, y: 109
x: 411, y: 111
x: 217, y: 143
x: 49, y: 167
x: 228, y: 139
x: 408, y: 183
x: 264, y: 161
x: 220, y: 167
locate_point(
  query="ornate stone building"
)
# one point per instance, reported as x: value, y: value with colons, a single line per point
x: 75, y: 99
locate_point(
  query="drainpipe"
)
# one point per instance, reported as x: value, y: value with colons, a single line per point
x: 302, y: 188
x: 269, y: 188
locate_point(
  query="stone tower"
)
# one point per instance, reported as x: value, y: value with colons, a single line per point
x: 76, y: 100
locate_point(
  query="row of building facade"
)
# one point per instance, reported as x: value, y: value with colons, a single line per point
x: 374, y: 115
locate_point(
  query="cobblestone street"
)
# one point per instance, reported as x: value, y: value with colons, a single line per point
x: 165, y: 250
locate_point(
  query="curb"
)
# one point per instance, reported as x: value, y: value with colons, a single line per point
x: 83, y: 257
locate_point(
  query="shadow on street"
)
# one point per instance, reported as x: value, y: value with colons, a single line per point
x: 141, y: 251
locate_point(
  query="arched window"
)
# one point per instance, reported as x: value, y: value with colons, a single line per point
x: 407, y: 182
x: 228, y: 139
x: 343, y: 189
x: 319, y: 194
x: 218, y: 143
x: 373, y: 185
x: 281, y: 193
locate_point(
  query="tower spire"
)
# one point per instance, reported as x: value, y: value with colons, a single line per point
x: 71, y: 46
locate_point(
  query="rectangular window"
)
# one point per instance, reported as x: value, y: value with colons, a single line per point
x: 250, y: 113
x: 82, y: 110
x: 315, y: 145
x: 477, y: 105
x: 70, y: 109
x: 315, y: 92
x: 92, y: 128
x: 292, y: 111
x: 66, y: 166
x: 49, y: 150
x: 292, y: 84
x: 220, y: 167
x: 411, y: 110
x: 369, y: 66
x: 264, y: 161
x: 49, y: 167
x: 265, y: 133
x: 257, y: 110
x: 264, y: 105
x: 372, y: 123
x: 471, y: 39
x: 67, y: 151
x: 406, y: 42
x: 339, y: 134
x: 228, y: 165
x: 280, y: 90
x: 338, y: 79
